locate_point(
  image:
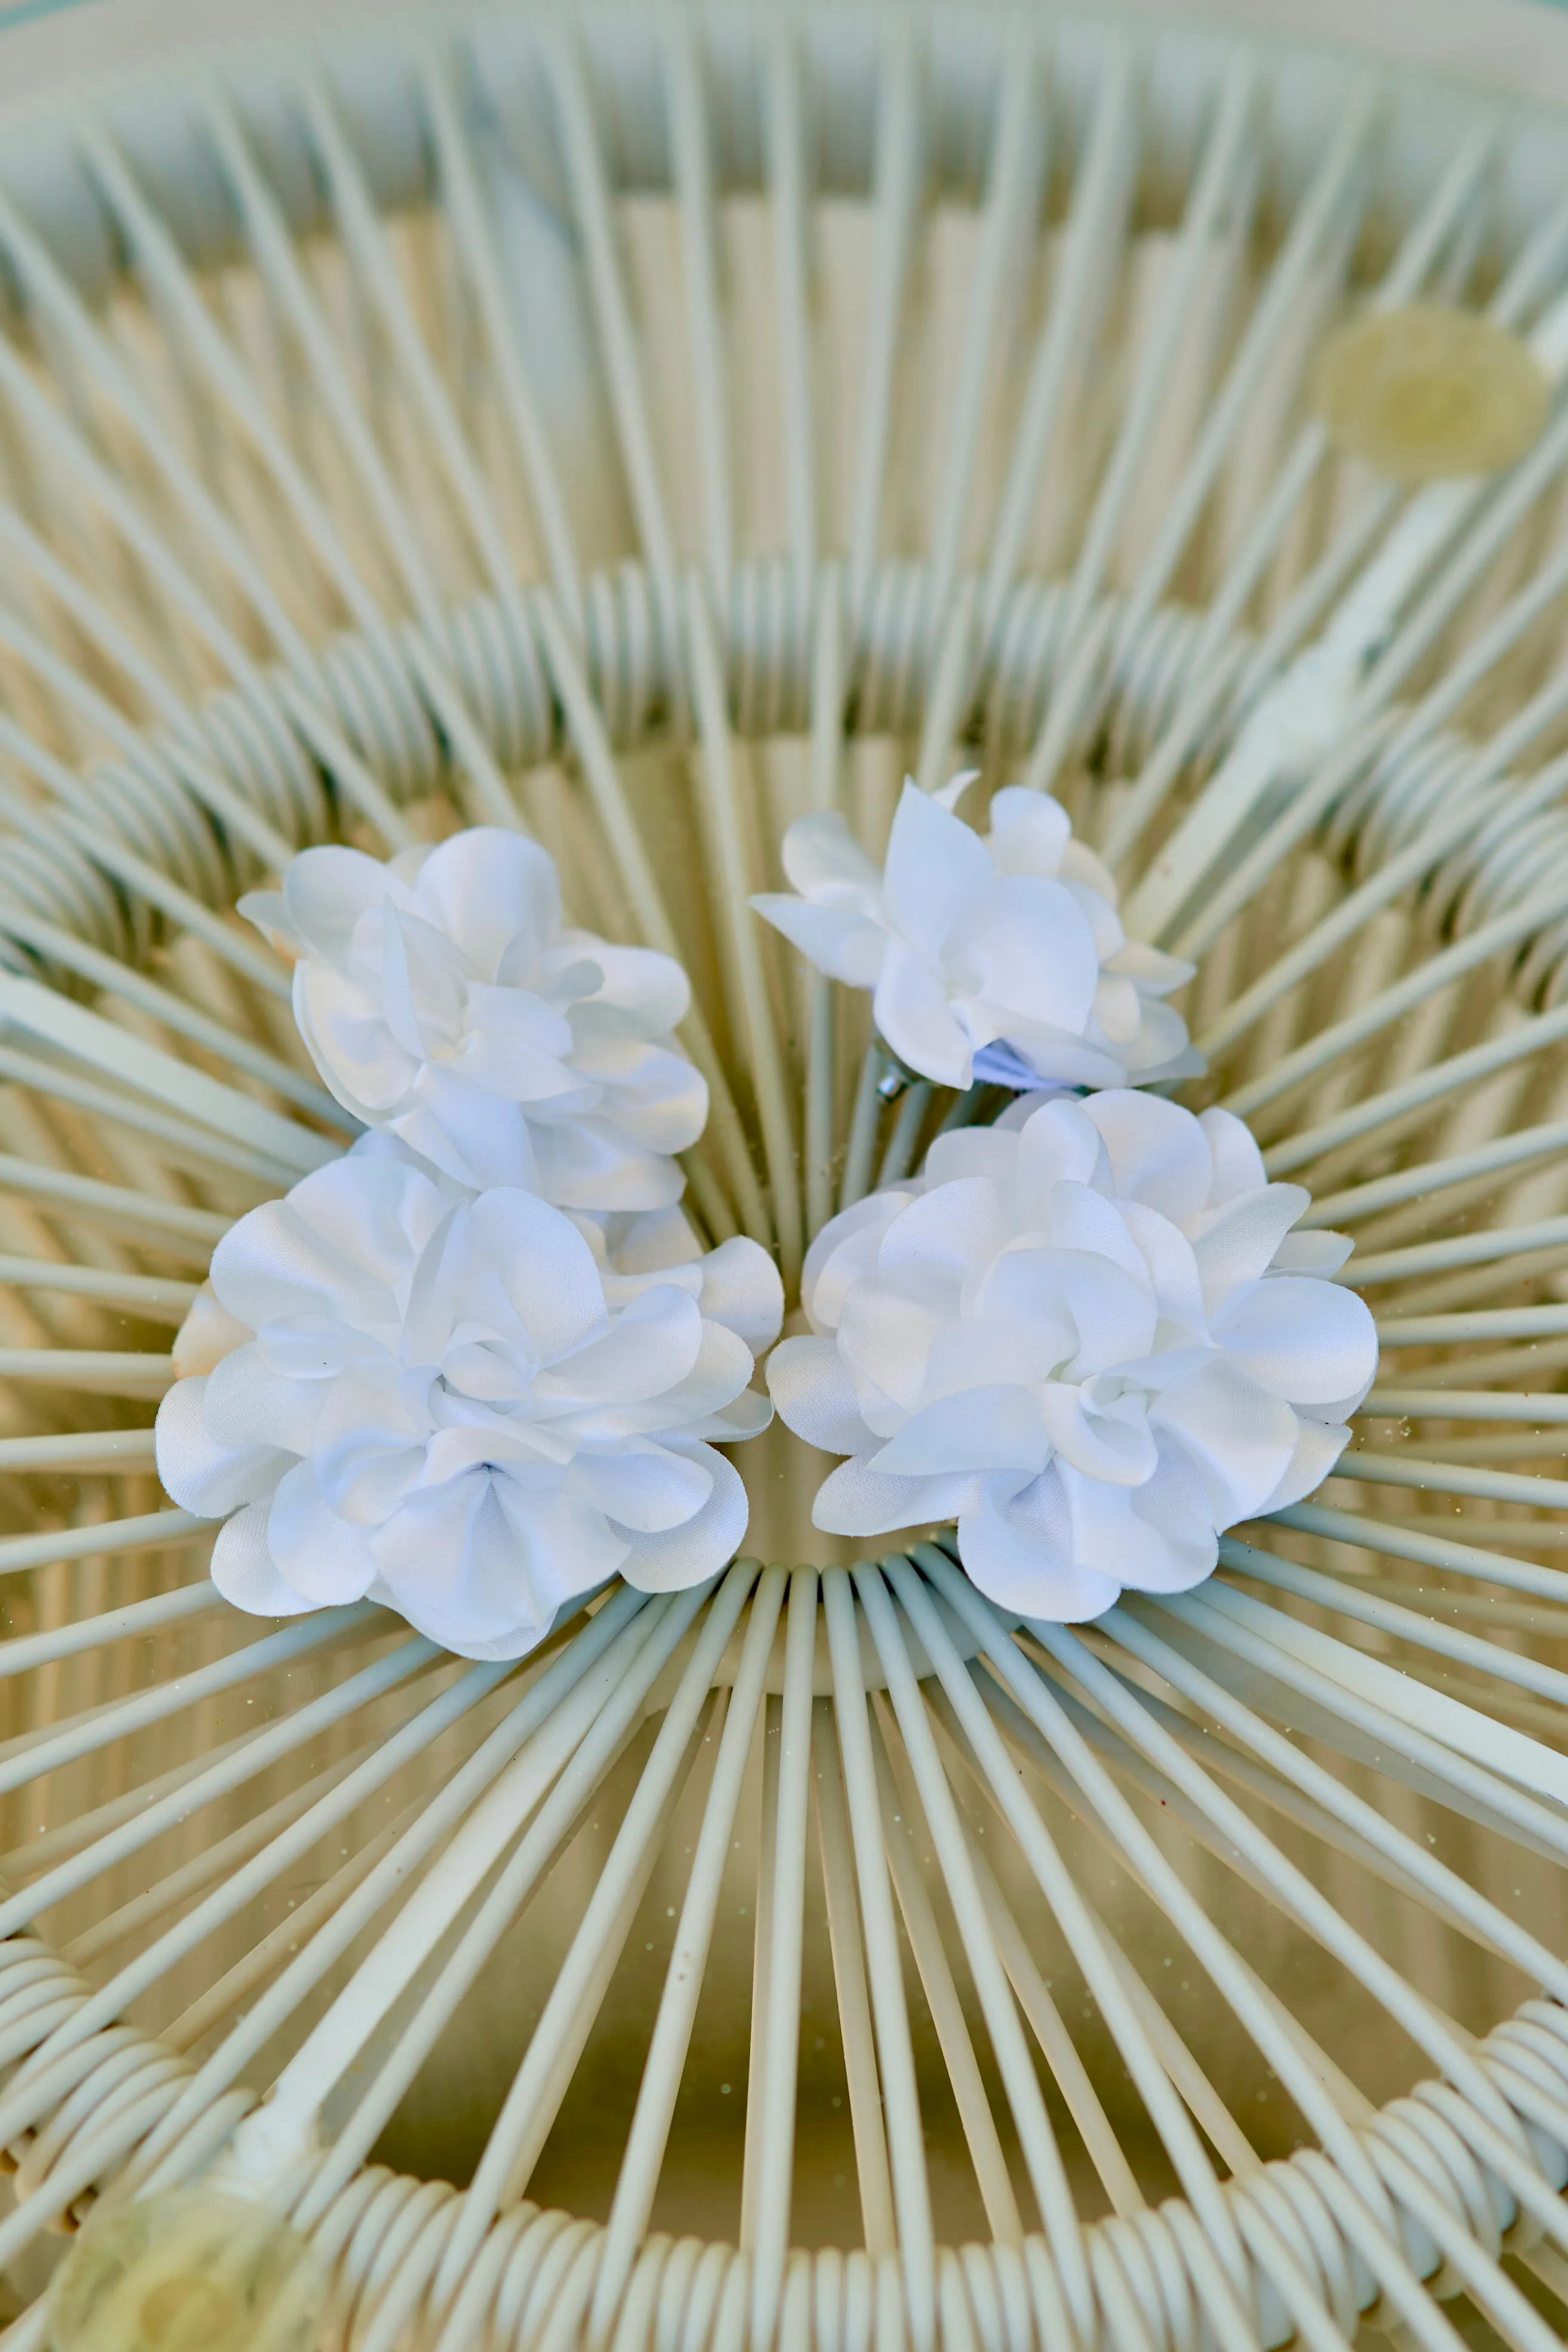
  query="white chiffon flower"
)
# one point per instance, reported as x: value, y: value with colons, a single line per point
x: 459, y: 1407
x: 440, y: 997
x: 998, y: 959
x: 1089, y: 1336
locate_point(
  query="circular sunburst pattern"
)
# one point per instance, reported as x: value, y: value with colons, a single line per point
x: 646, y: 435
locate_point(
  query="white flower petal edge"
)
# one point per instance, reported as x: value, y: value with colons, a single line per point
x: 440, y: 997
x: 1091, y: 1337
x: 474, y: 1410
x: 999, y: 957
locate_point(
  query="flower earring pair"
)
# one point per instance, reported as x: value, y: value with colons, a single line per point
x: 1087, y: 1335
x: 483, y: 1363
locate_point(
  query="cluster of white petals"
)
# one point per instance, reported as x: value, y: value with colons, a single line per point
x: 473, y: 1407
x: 1091, y: 1336
x: 998, y: 958
x: 481, y: 1364
x: 441, y: 998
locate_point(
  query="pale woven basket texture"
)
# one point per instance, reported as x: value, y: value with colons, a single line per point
x: 644, y: 429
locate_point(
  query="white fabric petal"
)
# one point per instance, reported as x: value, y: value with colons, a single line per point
x: 594, y: 1163
x: 969, y: 1151
x: 825, y: 863
x: 1037, y: 1052
x: 207, y: 1335
x: 855, y: 1500
x: 1319, y: 1446
x: 934, y: 862
x: 1172, y: 1265
x: 639, y: 987
x: 1311, y: 1340
x: 1019, y: 1549
x: 918, y: 1015
x: 1029, y: 831
x: 1156, y: 973
x: 1240, y: 1437
x: 651, y: 1095
x: 201, y: 1473
x: 326, y: 892
x: 1061, y: 1145
x: 846, y: 945
x: 746, y: 1415
x: 810, y: 1384
x: 647, y: 1490
x: 544, y: 1264
x: 1314, y: 1252
x: 975, y: 1430
x: 485, y: 1577
x: 1159, y: 1153
x: 324, y: 1556
x: 1160, y: 1049
x: 1021, y: 947
x: 886, y: 1336
x: 954, y: 1231
x: 1119, y: 1541
x: 1175, y: 1505
x: 648, y: 1242
x: 741, y: 1289
x: 1241, y: 1240
x: 1079, y: 1218
x: 244, y: 1571
x: 1233, y: 1147
x: 1021, y: 1111
x: 708, y: 1541
x: 1019, y: 1347
x: 247, y: 1402
x: 472, y: 1138
x: 513, y: 1043
x: 846, y: 1248
x: 330, y: 1257
x: 484, y: 887
x: 650, y: 1348
x: 1109, y: 1314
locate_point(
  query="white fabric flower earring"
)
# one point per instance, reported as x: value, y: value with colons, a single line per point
x: 1091, y: 1338
x: 455, y: 1404
x: 999, y: 957
x: 440, y: 997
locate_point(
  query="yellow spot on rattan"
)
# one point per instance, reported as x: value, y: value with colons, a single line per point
x: 189, y: 2314
x: 193, y: 2271
x: 1424, y: 393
